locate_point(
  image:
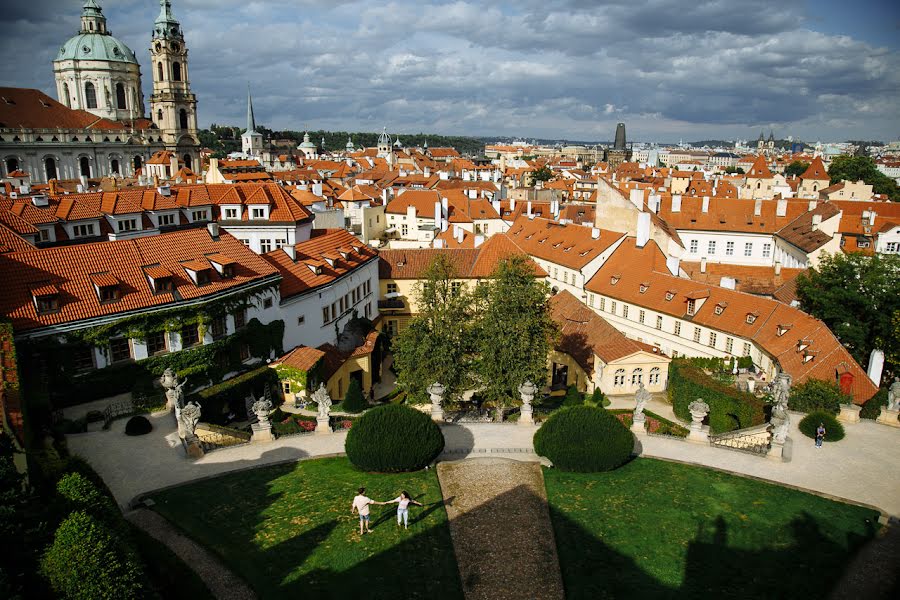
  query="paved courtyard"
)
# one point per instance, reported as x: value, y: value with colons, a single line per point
x: 860, y: 468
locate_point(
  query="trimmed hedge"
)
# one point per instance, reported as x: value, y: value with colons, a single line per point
x: 138, y: 425
x: 393, y: 438
x: 872, y: 408
x: 233, y: 392
x: 573, y: 397
x: 818, y: 395
x: 729, y: 409
x: 80, y: 493
x: 354, y: 401
x: 584, y: 439
x: 834, y: 431
x: 86, y: 560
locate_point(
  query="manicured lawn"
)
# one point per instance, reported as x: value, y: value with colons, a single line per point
x: 654, y: 529
x: 288, y: 531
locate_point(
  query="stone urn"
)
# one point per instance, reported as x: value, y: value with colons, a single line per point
x: 436, y: 395
x: 698, y: 433
x: 526, y: 413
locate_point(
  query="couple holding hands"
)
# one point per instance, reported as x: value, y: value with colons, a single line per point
x: 362, y: 502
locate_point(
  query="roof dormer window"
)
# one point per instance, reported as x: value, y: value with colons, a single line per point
x: 783, y: 329
x: 669, y: 295
x: 46, y: 298
x: 691, y: 306
x: 106, y: 286
x: 808, y: 355
x: 720, y: 307
x: 751, y: 318
x: 198, y: 271
x: 223, y: 264
x: 644, y: 287
x: 803, y: 344
x: 614, y: 279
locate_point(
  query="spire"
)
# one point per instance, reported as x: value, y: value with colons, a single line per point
x: 92, y: 19
x: 166, y: 26
x: 251, y: 121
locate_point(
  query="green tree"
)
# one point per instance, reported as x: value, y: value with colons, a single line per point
x: 436, y: 344
x: 818, y: 395
x: 855, y: 168
x: 573, y: 397
x: 515, y: 332
x: 354, y: 401
x: 796, y: 168
x: 856, y: 296
x: 542, y: 174
x: 734, y: 170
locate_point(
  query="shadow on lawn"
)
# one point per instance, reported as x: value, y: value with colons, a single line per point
x: 808, y: 568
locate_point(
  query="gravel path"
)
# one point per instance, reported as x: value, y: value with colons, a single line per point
x: 872, y: 574
x: 223, y: 584
x: 501, y: 530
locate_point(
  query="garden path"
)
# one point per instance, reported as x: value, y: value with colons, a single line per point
x: 223, y: 584
x: 501, y: 530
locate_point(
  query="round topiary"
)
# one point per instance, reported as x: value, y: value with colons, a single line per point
x: 138, y: 425
x: 834, y: 431
x: 393, y: 438
x: 584, y: 439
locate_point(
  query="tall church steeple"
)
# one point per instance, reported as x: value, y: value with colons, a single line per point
x: 251, y: 140
x: 173, y: 105
x: 92, y: 19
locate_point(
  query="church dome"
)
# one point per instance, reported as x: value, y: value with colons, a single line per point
x: 96, y: 46
x: 306, y: 143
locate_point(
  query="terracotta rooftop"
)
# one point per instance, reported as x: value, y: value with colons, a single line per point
x: 571, y: 246
x: 303, y: 358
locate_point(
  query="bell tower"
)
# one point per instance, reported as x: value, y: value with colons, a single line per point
x: 173, y: 108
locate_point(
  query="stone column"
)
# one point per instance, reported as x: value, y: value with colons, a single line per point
x: 262, y: 430
x: 436, y: 395
x: 888, y: 417
x: 699, y: 433
x: 526, y: 414
x: 849, y: 413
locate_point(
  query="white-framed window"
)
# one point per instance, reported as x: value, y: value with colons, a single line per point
x: 729, y: 344
x: 712, y: 339
x: 619, y: 378
x: 404, y: 229
x: 265, y: 245
x: 653, y: 379
x: 602, y: 304
x: 245, y: 242
x: 612, y: 307
x: 326, y: 314
x: 641, y: 316
x: 694, y: 246
x: 625, y: 311
x: 231, y: 214
x: 391, y: 288
x: 279, y: 244
x: 127, y: 225
x: 637, y: 376
x: 711, y: 247
x: 565, y: 277
x: 591, y: 300
x: 165, y: 220
x: 767, y: 250
x: 889, y: 247
x: 697, y: 334
x: 729, y: 248
x: 677, y: 329
x: 257, y: 213
x: 659, y: 321
x: 748, y: 249
x: 198, y: 215
x: 746, y: 349
x: 83, y: 230
x: 691, y: 306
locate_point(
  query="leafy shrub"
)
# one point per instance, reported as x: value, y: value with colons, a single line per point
x: 573, y: 397
x: 354, y: 401
x: 393, y: 438
x: 834, y: 431
x: 232, y: 392
x: 599, y: 398
x: 817, y: 395
x: 584, y: 439
x: 81, y: 494
x: 86, y: 560
x: 872, y: 408
x: 138, y: 425
x: 729, y: 408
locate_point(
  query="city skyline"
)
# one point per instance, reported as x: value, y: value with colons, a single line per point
x: 569, y: 71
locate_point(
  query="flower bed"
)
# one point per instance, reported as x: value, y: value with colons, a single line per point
x: 655, y: 424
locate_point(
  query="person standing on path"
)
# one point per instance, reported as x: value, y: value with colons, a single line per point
x: 361, y: 505
x: 403, y: 501
x: 820, y: 435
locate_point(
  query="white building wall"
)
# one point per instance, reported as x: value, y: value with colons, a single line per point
x: 721, y: 239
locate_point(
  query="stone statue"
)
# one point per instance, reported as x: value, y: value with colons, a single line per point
x: 780, y: 421
x: 174, y: 390
x: 323, y: 400
x: 526, y: 413
x: 261, y: 409
x: 698, y: 433
x: 641, y: 397
x: 782, y: 390
x: 188, y: 419
x: 894, y: 395
x: 436, y: 395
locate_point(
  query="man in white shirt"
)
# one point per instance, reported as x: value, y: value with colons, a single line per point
x: 361, y: 505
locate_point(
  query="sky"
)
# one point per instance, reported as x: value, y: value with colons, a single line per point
x: 569, y: 69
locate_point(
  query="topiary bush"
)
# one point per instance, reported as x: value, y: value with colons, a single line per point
x: 872, y: 408
x: 834, y: 431
x: 599, y: 398
x: 584, y: 439
x: 87, y: 561
x: 354, y: 401
x: 817, y: 395
x: 573, y: 397
x: 393, y: 438
x: 138, y: 425
x: 81, y: 494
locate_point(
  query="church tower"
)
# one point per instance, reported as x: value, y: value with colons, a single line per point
x: 173, y: 107
x: 251, y: 140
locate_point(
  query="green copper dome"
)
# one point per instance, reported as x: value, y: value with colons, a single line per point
x: 96, y: 46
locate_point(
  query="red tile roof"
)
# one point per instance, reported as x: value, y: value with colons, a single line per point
x: 816, y: 171
x: 303, y: 358
x: 759, y: 170
x: 571, y: 246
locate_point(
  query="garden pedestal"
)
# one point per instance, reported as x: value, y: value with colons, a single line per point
x: 526, y: 415
x: 699, y: 435
x: 193, y: 448
x: 638, y: 426
x: 777, y: 451
x: 849, y: 413
x: 262, y: 433
x: 888, y: 417
x: 322, y: 425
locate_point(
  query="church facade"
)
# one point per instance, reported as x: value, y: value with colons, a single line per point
x: 98, y: 126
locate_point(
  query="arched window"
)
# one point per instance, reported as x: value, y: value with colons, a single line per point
x: 67, y: 96
x: 176, y: 71
x: 182, y: 119
x: 85, y: 166
x: 12, y: 164
x: 637, y: 376
x: 114, y: 166
x: 90, y: 95
x: 619, y: 378
x: 137, y: 162
x: 50, y: 168
x: 159, y: 71
x: 187, y: 161
x: 120, y: 97
x: 91, y: 25
x: 759, y: 185
x: 159, y: 117
x: 654, y: 376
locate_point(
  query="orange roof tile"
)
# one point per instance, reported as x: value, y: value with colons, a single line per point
x: 303, y: 358
x: 816, y: 171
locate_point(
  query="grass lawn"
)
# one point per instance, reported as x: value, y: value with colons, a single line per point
x: 288, y: 531
x: 654, y: 529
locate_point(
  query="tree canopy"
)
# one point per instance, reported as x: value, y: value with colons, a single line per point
x: 796, y: 168
x: 856, y: 168
x: 856, y: 296
x: 542, y: 174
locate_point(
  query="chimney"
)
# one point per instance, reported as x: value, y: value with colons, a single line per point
x: 777, y: 267
x: 872, y: 215
x: 384, y: 196
x: 637, y: 197
x: 445, y: 207
x: 496, y: 205
x: 729, y: 283
x: 643, y: 229
x: 781, y: 208
x: 673, y: 264
x: 512, y: 204
x: 595, y: 233
x: 529, y: 210
x: 703, y: 265
x: 757, y: 208
x: 291, y: 252
x: 317, y: 189
x: 174, y: 164
x: 427, y: 171
x: 156, y: 181
x: 213, y: 164
x: 816, y: 221
x: 705, y: 204
x: 213, y: 228
x: 655, y: 202
x: 437, y: 215
x: 479, y: 240
x: 459, y: 233
x: 811, y: 205
x: 438, y: 244
x: 40, y: 200
x: 676, y: 203
x: 53, y: 187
